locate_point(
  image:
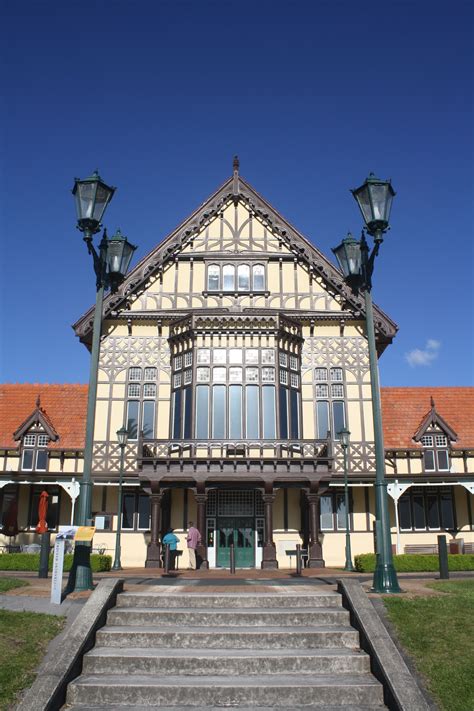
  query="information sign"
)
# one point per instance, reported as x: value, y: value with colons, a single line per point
x: 84, y: 534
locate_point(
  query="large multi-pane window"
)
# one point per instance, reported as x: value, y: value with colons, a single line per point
x: 426, y: 508
x: 435, y: 452
x: 235, y: 393
x: 236, y: 277
x: 289, y: 394
x: 141, y: 402
x: 330, y: 405
x: 34, y: 454
x: 135, y: 511
x: 332, y: 511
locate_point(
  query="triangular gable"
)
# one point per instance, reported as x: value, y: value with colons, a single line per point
x: 236, y: 189
x: 434, y: 419
x: 37, y: 417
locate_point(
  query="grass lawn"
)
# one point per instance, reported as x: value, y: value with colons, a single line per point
x: 23, y: 639
x: 7, y: 584
x: 438, y: 632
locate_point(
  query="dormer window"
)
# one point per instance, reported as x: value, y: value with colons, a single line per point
x: 435, y: 436
x: 35, y: 454
x: 435, y: 452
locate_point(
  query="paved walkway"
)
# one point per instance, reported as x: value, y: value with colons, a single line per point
x: 35, y: 597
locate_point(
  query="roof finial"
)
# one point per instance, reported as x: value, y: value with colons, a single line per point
x: 235, y: 184
x: 432, y: 402
x: 38, y: 401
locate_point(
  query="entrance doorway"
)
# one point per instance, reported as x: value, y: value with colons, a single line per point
x: 241, y: 532
x: 234, y: 517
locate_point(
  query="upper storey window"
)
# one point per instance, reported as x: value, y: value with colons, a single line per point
x: 435, y: 452
x: 236, y: 277
x: 35, y: 453
x: 289, y: 394
x: 141, y: 402
x: 330, y: 401
x: 214, y: 277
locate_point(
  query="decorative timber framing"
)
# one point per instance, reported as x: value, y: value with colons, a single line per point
x: 168, y: 250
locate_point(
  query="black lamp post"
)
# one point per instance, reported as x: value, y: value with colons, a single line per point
x: 110, y: 265
x: 374, y: 198
x: 122, y: 436
x: 344, y: 436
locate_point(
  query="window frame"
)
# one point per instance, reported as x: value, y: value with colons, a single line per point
x: 335, y: 496
x: 432, y: 447
x: 236, y: 265
x: 34, y: 449
x: 425, y: 493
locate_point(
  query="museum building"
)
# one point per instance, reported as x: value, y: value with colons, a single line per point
x: 234, y: 354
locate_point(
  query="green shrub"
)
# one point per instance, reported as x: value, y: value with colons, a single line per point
x: 412, y: 563
x: 30, y: 561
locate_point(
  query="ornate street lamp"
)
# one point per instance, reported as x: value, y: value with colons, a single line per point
x: 344, y: 436
x: 374, y: 198
x: 122, y: 437
x: 110, y: 265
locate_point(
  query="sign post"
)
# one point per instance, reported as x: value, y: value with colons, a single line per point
x: 57, y: 576
x: 66, y: 533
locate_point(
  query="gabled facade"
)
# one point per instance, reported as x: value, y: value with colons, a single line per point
x: 234, y: 354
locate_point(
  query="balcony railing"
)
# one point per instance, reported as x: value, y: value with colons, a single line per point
x: 153, y: 450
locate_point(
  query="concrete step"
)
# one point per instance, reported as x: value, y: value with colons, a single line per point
x: 201, y: 662
x: 310, y: 707
x: 180, y: 637
x: 324, y: 598
x: 279, y: 616
x: 201, y: 692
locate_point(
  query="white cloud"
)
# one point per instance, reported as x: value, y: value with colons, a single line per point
x: 426, y: 356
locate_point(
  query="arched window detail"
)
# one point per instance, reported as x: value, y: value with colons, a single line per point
x: 213, y: 277
x: 228, y: 277
x: 258, y: 277
x: 243, y: 277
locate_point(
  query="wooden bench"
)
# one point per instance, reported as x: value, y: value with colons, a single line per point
x: 422, y: 549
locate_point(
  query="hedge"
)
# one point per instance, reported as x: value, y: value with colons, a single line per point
x: 412, y: 563
x: 30, y: 561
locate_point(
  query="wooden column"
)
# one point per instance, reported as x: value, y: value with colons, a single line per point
x: 269, y: 559
x: 201, y: 550
x: 315, y: 553
x: 153, y: 554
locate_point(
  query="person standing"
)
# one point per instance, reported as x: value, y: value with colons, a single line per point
x: 193, y: 539
x: 171, y: 540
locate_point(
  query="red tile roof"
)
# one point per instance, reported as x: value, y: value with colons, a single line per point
x: 64, y: 406
x: 404, y: 409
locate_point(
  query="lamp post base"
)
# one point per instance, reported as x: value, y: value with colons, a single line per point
x: 385, y: 579
x: 80, y: 576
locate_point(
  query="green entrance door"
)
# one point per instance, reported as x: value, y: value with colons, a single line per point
x: 239, y: 531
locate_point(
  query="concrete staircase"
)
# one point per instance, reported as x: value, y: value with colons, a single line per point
x: 291, y: 649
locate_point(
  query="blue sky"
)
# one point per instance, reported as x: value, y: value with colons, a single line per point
x: 312, y: 96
